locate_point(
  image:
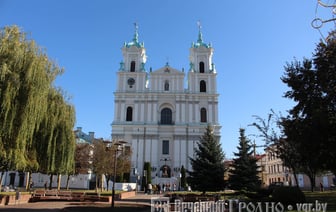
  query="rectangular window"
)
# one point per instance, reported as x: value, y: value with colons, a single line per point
x: 165, y: 147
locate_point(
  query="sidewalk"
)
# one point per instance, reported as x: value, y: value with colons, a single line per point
x: 140, y: 199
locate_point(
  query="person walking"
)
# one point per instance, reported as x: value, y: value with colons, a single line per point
x: 149, y: 188
x: 321, y: 187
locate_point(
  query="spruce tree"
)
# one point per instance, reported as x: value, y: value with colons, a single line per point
x: 244, y: 173
x: 208, y: 165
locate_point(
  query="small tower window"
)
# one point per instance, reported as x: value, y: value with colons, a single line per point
x: 203, y: 115
x: 132, y: 66
x: 202, y: 86
x: 166, y: 85
x: 201, y: 67
x: 129, y: 114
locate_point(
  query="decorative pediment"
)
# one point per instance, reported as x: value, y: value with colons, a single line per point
x: 167, y: 70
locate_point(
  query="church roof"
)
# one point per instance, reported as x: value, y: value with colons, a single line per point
x: 167, y: 70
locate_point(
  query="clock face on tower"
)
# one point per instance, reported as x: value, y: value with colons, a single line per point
x: 131, y: 81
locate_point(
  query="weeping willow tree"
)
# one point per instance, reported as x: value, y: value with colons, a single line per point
x: 26, y: 76
x: 26, y: 87
x: 56, y: 146
x: 66, y: 145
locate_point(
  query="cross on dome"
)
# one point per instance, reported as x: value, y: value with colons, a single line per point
x: 135, y: 40
x: 200, y: 36
x: 200, y: 42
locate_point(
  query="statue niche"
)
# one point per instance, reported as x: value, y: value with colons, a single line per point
x: 165, y: 171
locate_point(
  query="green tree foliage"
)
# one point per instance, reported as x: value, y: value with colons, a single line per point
x: 83, y: 158
x: 35, y: 118
x: 269, y: 130
x: 244, y: 172
x: 208, y: 165
x: 102, y: 159
x: 124, y: 161
x: 310, y: 127
x: 24, y: 85
x: 147, y: 178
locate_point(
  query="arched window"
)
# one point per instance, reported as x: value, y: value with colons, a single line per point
x: 202, y: 86
x: 201, y: 67
x: 129, y: 114
x: 166, y: 116
x: 166, y: 85
x: 133, y: 66
x: 203, y: 115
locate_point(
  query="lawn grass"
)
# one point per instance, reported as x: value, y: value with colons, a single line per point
x: 328, y: 197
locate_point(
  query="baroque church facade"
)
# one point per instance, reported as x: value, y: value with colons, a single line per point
x: 160, y: 117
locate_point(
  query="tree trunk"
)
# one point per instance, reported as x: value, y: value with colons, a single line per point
x: 67, y: 182
x: 59, y: 176
x: 1, y: 178
x: 295, y: 176
x: 311, y: 177
x: 107, y: 183
x: 102, y: 183
x: 97, y: 183
x: 28, y: 181
x: 296, y: 180
x: 50, y: 181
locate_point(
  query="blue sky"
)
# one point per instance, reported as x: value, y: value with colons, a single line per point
x: 253, y: 41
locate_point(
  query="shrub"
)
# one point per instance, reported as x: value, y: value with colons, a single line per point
x: 264, y: 192
x: 288, y: 195
x: 259, y: 194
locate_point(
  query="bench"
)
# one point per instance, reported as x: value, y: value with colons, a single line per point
x: 50, y: 195
x: 39, y: 193
x: 77, y: 196
x: 53, y: 193
x: 65, y: 195
x: 91, y: 196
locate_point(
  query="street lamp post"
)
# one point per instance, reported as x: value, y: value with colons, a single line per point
x: 119, y: 146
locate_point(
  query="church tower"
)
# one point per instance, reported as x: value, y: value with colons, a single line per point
x: 159, y: 117
x: 132, y: 75
x: 202, y: 80
x: 202, y: 73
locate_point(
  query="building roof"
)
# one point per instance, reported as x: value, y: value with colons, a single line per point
x: 82, y: 137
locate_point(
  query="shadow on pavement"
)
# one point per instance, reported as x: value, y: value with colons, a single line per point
x: 106, y: 209
x: 29, y: 210
x: 77, y: 207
